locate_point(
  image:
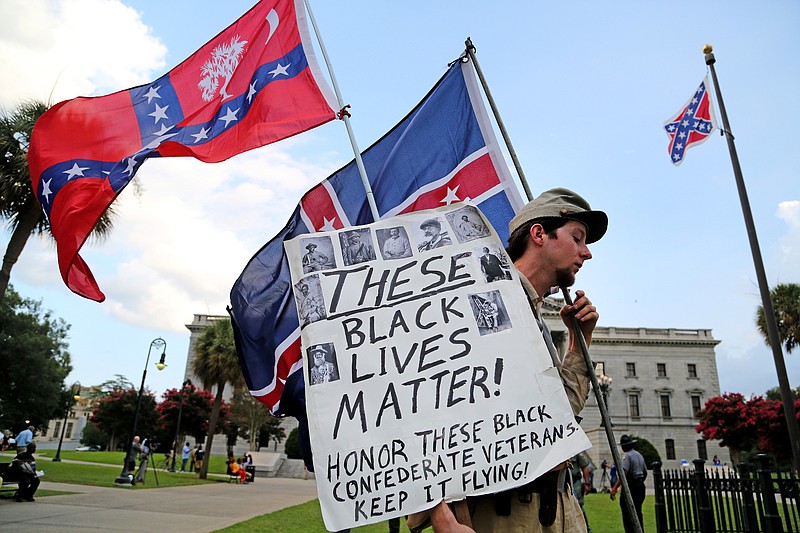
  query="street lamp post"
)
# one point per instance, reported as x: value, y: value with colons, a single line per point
x: 75, y: 391
x: 605, y: 384
x: 160, y: 344
x: 187, y: 383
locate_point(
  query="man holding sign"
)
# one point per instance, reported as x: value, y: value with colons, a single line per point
x: 548, y: 244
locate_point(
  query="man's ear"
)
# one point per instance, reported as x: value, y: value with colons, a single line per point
x: 537, y: 234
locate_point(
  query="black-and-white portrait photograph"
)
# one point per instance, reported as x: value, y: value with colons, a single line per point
x: 490, y: 312
x: 432, y: 234
x: 322, y: 364
x: 310, y: 302
x: 357, y: 246
x: 394, y: 243
x: 468, y: 224
x: 494, y: 262
x: 318, y: 254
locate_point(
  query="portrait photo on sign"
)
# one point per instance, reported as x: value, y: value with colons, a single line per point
x: 322, y: 364
x: 494, y: 262
x: 468, y: 224
x: 357, y: 246
x: 489, y: 311
x: 317, y: 255
x: 431, y: 234
x: 310, y: 302
x: 394, y: 243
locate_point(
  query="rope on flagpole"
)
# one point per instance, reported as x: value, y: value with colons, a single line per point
x: 344, y: 115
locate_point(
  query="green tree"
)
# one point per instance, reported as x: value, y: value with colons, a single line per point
x: 251, y: 416
x: 197, y: 406
x: 292, y: 446
x: 94, y: 436
x: 33, y: 360
x: 113, y: 414
x: 648, y: 451
x: 19, y: 208
x: 216, y: 364
x: 786, y: 304
x: 775, y: 393
x: 271, y: 431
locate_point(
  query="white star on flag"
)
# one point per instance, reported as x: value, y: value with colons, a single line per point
x: 230, y: 116
x: 251, y: 92
x: 131, y: 166
x: 202, y: 134
x: 451, y: 196
x: 280, y: 69
x: 152, y: 93
x: 46, y: 192
x: 328, y: 225
x: 159, y: 113
x: 75, y: 171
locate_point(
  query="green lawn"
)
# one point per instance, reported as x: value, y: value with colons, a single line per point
x: 604, y: 516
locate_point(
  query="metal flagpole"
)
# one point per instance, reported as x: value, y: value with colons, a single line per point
x: 503, y: 132
x: 626, y: 493
x: 766, y: 300
x: 345, y: 116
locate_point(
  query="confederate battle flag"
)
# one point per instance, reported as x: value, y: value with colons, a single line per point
x: 255, y: 83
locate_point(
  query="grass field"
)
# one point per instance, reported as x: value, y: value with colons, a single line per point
x: 603, y: 514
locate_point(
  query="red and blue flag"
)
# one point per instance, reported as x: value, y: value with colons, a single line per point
x: 692, y: 125
x: 255, y: 83
x: 444, y: 151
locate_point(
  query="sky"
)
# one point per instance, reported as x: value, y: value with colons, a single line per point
x: 583, y: 88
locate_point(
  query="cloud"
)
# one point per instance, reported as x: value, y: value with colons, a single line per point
x: 69, y: 48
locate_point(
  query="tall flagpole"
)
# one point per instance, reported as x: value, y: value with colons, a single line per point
x: 766, y: 300
x: 345, y: 116
x: 626, y: 493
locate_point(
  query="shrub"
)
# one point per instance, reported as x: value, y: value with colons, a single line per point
x: 292, y: 446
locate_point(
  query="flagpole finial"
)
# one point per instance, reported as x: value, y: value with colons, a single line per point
x: 708, y: 50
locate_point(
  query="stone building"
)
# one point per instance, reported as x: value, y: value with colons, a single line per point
x: 75, y: 422
x: 660, y: 379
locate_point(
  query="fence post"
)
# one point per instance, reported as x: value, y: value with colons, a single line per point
x: 746, y: 488
x: 772, y: 520
x: 706, y: 514
x: 661, y: 506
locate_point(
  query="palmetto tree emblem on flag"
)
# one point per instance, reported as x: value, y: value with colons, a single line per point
x: 224, y: 60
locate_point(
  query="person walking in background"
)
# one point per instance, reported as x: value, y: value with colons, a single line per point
x: 185, y: 454
x: 635, y: 472
x: 579, y: 471
x: 24, y: 438
x: 198, y: 458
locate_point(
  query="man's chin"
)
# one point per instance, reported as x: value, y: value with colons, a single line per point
x: 565, y: 278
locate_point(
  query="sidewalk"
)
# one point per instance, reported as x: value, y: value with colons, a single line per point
x: 197, y: 508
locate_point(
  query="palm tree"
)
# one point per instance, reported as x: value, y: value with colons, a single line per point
x: 19, y: 208
x: 786, y: 302
x: 216, y: 363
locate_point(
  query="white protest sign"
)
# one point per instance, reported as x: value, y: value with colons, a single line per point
x: 427, y: 375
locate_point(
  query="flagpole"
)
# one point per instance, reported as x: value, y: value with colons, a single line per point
x: 626, y: 493
x: 766, y: 300
x: 503, y: 132
x: 345, y: 116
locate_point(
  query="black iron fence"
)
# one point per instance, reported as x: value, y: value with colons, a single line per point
x: 719, y: 499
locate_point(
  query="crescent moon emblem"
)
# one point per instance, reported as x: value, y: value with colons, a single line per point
x: 273, y: 21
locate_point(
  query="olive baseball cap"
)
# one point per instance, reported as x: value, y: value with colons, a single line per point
x: 562, y: 203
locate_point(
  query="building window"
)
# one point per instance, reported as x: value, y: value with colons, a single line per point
x: 661, y: 370
x: 599, y: 368
x: 633, y: 405
x: 666, y: 411
x: 696, y: 405
x: 692, y: 368
x: 701, y: 450
x: 670, y: 445
x: 69, y: 430
x: 58, y: 429
x: 630, y: 370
